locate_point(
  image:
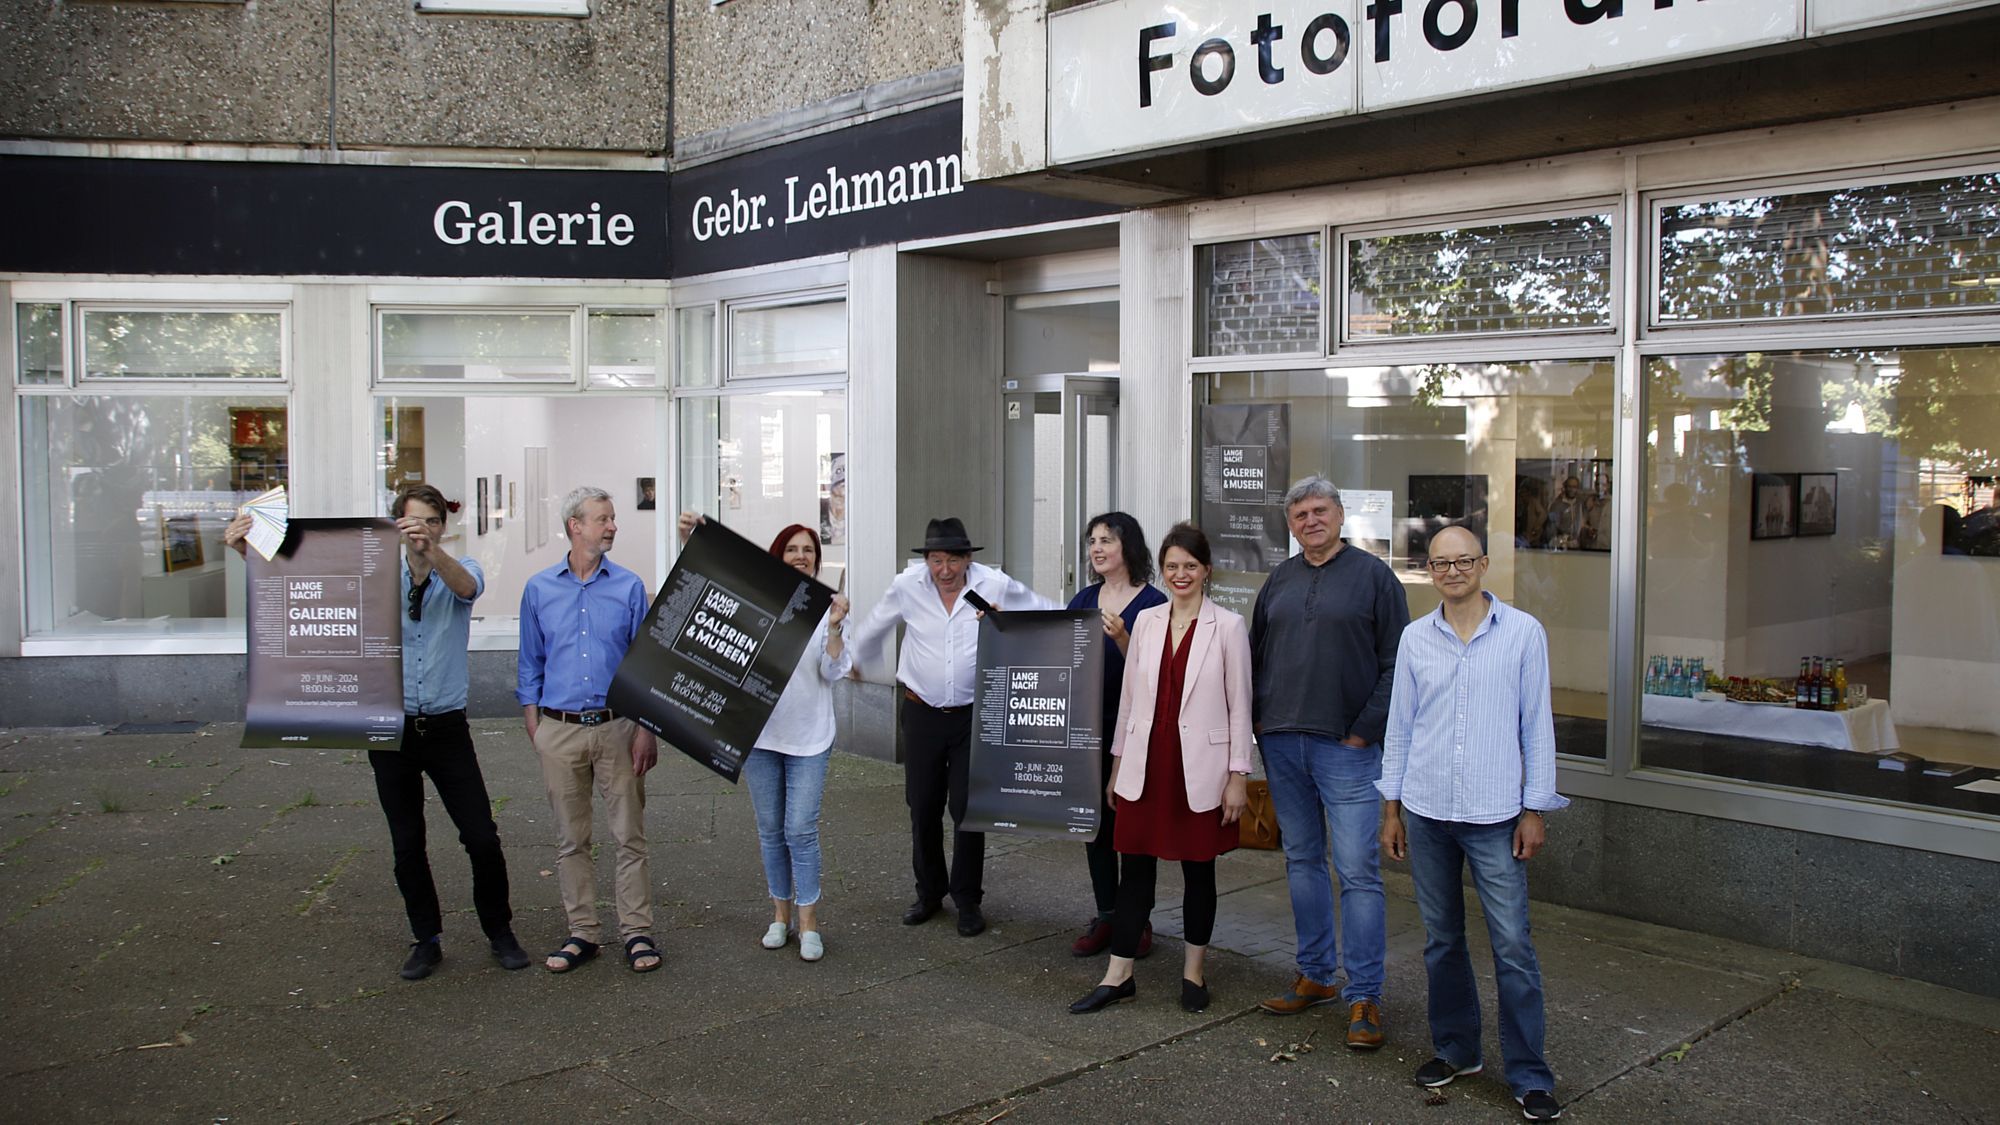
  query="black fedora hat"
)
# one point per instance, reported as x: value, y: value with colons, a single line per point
x: 947, y: 534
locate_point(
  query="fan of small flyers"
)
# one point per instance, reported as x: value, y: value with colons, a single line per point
x: 270, y: 513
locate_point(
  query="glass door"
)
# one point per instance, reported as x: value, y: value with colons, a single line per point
x: 1060, y: 441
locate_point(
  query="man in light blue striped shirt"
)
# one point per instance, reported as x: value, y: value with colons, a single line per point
x: 1470, y: 753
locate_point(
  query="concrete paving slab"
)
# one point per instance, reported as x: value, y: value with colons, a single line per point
x: 564, y: 1098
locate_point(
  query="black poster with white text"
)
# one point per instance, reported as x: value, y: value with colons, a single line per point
x: 1246, y: 466
x: 326, y: 638
x: 718, y: 647
x: 1037, y: 724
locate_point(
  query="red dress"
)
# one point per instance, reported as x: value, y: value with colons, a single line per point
x: 1160, y: 823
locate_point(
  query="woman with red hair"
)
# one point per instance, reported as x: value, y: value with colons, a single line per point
x: 786, y: 770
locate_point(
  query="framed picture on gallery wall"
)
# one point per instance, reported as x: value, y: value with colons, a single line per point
x: 1774, y: 505
x: 1563, y: 504
x: 479, y: 503
x: 1436, y: 502
x: 1819, y: 503
x: 648, y: 495
x: 180, y: 542
x: 499, y: 503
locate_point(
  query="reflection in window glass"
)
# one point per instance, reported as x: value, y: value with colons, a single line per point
x: 789, y: 340
x: 1833, y: 506
x: 1258, y: 297
x: 1538, y: 275
x: 1921, y: 246
x: 694, y: 341
x: 1060, y: 333
x: 1519, y: 451
x: 624, y: 347
x: 120, y: 344
x: 38, y: 340
x: 125, y: 498
x: 522, y: 456
x: 760, y: 462
x: 477, y: 347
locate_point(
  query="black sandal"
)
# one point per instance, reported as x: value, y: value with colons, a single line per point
x: 639, y: 945
x: 585, y: 950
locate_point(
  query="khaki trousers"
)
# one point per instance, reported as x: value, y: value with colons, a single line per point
x: 574, y: 760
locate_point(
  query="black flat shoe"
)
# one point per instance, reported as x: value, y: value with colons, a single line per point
x: 507, y: 950
x: 424, y: 958
x: 1194, y: 997
x: 1103, y: 996
x: 920, y: 912
x: 971, y: 923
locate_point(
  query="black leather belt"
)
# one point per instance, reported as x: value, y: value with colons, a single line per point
x: 423, y: 726
x: 580, y: 718
x: 920, y: 701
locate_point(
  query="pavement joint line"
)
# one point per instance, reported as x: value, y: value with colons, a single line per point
x: 27, y: 836
x: 1787, y: 984
x: 1052, y: 1081
x: 1893, y: 1065
x: 316, y: 894
x: 96, y: 864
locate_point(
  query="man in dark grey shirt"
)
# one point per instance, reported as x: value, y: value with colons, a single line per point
x: 1323, y: 657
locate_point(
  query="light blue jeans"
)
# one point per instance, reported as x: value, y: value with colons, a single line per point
x: 1440, y: 850
x: 1324, y: 790
x: 785, y: 791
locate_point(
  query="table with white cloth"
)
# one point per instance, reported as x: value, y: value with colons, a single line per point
x: 1865, y: 728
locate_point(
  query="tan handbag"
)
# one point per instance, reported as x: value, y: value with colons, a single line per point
x: 1258, y: 827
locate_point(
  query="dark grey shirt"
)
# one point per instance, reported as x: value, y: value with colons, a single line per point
x: 1323, y: 645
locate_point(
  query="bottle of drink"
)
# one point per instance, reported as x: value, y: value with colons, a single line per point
x: 1828, y: 701
x: 1698, y: 677
x: 1802, y: 693
x: 1652, y: 675
x: 1677, y: 679
x: 1818, y: 685
x: 1840, y: 685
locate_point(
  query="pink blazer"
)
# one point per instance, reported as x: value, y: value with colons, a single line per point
x: 1215, y: 703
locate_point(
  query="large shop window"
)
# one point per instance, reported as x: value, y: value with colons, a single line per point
x: 1520, y: 451
x: 1537, y: 275
x: 1828, y: 515
x: 126, y: 489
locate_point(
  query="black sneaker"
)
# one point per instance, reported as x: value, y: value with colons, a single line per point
x: 424, y: 958
x: 1438, y: 1072
x: 507, y: 950
x: 1540, y: 1105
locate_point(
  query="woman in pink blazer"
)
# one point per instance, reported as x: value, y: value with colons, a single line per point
x: 1181, y: 753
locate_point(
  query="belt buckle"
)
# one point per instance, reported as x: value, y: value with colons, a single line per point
x: 417, y: 724
x: 589, y: 718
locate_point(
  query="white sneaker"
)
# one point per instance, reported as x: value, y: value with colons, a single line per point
x: 811, y: 948
x: 774, y: 938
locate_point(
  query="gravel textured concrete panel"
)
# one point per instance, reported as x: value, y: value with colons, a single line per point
x: 252, y: 72
x: 599, y: 84
x: 741, y: 62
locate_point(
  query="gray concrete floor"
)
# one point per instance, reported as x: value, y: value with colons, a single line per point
x: 203, y: 933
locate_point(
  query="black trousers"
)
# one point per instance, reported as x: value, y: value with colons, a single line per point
x: 937, y: 755
x: 1102, y: 856
x: 441, y: 746
x: 1135, y: 902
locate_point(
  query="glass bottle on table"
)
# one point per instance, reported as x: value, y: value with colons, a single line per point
x: 1802, y: 689
x: 1840, y: 685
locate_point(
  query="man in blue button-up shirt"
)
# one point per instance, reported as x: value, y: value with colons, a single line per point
x: 577, y: 619
x: 1470, y: 761
x: 438, y: 592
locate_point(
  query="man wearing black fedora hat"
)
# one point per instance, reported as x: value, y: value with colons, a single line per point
x: 935, y: 669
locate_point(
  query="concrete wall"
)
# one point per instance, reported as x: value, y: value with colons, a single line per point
x: 353, y: 73
x: 741, y: 62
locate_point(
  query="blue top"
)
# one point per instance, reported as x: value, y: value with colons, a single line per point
x: 573, y: 634
x: 1114, y: 660
x: 1471, y: 734
x: 434, y: 673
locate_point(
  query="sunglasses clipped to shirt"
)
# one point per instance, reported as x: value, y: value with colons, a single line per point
x: 417, y: 598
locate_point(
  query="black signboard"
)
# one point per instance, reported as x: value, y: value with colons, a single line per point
x: 718, y: 647
x: 326, y: 638
x: 246, y: 217
x: 1037, y: 723
x: 888, y: 180
x: 1246, y: 465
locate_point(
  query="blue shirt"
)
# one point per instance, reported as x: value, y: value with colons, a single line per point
x: 434, y: 673
x: 573, y: 634
x: 1114, y: 660
x: 1471, y: 735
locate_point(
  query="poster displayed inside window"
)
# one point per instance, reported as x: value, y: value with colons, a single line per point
x: 1827, y: 597
x: 718, y: 647
x: 1037, y: 764
x: 1246, y: 466
x: 1563, y: 504
x: 326, y: 638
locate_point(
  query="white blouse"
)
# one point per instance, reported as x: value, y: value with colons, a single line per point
x: 802, y: 722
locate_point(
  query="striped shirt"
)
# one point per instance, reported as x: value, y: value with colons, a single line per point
x: 1471, y: 733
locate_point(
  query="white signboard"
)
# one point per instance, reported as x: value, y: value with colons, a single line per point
x: 1142, y: 75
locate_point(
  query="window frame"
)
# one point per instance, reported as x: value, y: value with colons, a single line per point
x: 1322, y: 346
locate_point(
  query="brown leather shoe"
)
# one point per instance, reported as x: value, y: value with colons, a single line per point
x: 1304, y: 993
x: 1365, y: 1029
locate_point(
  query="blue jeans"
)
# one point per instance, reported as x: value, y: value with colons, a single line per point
x: 1320, y: 788
x: 1439, y: 851
x: 785, y: 790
